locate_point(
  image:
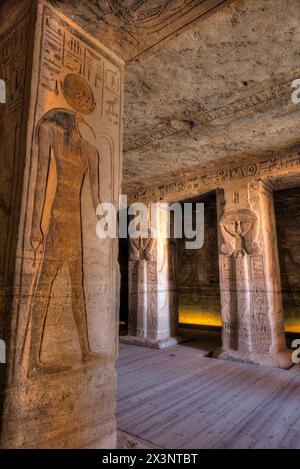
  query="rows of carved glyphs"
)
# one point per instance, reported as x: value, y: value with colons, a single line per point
x: 63, y: 314
x: 74, y: 167
x: 13, y: 60
x: 142, y: 286
x: 200, y: 181
x: 250, y: 296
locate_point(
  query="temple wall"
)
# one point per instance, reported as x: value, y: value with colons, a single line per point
x: 60, y: 159
x: 250, y: 286
x: 197, y: 271
x: 152, y: 303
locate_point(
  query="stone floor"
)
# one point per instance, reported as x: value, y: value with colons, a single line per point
x: 180, y: 398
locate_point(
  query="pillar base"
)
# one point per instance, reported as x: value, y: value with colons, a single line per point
x: 281, y: 359
x: 158, y: 344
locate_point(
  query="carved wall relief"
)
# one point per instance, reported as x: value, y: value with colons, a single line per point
x: 133, y: 284
x: 229, y: 303
x: 240, y: 231
x: 75, y: 165
x: 142, y: 248
x: 152, y: 295
x: 176, y: 187
x: 57, y: 228
x: 79, y: 71
x: 149, y: 15
x: 123, y: 24
x: 13, y: 55
x: 78, y: 94
x: 14, y: 61
x: 142, y: 284
x: 60, y: 159
x: 251, y: 304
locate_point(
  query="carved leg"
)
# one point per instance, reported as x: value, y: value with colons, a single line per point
x: 79, y: 312
x: 39, y: 311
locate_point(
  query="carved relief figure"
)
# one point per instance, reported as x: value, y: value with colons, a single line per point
x: 142, y: 248
x: 64, y: 160
x: 240, y: 232
x: 78, y: 94
x: 141, y: 13
x: 172, y: 251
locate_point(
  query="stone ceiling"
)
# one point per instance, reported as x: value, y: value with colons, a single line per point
x: 132, y: 28
x: 222, y: 89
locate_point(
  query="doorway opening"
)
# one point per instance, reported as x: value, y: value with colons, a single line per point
x: 287, y: 212
x: 199, y: 304
x: 124, y: 292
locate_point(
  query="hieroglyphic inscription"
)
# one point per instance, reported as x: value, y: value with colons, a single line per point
x: 152, y: 299
x: 142, y: 287
x: 13, y: 64
x: 65, y: 54
x: 260, y: 324
x: 138, y: 26
x: 228, y: 299
x: 227, y: 279
x: 112, y: 93
x: 197, y: 181
x: 13, y: 55
x: 54, y: 38
x: 233, y: 110
x: 133, y: 297
x: 70, y: 129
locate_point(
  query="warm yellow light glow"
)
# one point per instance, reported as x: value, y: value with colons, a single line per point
x: 207, y: 318
x: 201, y: 318
x: 292, y: 328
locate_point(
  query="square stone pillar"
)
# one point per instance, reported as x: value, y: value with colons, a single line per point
x: 60, y: 132
x: 153, y: 310
x: 252, y: 316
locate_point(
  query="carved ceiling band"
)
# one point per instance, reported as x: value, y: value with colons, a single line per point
x: 270, y: 169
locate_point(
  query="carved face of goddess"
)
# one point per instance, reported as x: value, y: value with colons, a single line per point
x: 238, y: 223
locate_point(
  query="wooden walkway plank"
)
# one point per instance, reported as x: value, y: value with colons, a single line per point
x: 178, y: 398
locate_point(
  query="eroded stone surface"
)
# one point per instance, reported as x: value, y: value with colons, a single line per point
x: 153, y: 310
x: 222, y: 89
x: 133, y: 29
x: 252, y: 314
x: 210, y: 109
x: 58, y: 279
